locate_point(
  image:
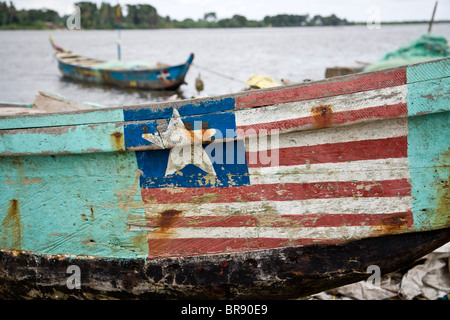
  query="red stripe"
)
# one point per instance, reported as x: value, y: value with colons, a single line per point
x: 356, y: 83
x: 280, y: 192
x: 161, y: 245
x: 288, y: 221
x: 382, y: 112
x: 331, y: 152
x: 198, y: 246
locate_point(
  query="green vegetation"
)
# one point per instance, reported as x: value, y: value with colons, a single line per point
x: 10, y: 18
x: 144, y: 16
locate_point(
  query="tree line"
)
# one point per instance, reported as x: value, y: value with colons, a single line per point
x: 144, y: 16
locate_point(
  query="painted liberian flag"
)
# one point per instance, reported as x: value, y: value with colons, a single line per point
x: 325, y: 163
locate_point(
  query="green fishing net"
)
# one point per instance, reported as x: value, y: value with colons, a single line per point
x: 424, y: 48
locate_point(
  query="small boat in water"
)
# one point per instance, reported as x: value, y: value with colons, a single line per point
x: 118, y: 73
x: 427, y: 47
x: 273, y: 193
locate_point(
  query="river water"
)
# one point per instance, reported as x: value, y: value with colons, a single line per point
x: 224, y: 58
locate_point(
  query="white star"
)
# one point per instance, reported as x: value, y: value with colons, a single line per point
x: 186, y: 145
x: 163, y: 75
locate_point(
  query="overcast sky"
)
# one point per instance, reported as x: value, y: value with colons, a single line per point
x: 352, y: 10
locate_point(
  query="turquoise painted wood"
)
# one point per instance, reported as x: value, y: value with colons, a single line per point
x: 64, y: 205
x: 64, y: 140
x: 429, y: 142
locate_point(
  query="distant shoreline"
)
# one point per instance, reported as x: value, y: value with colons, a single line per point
x: 25, y: 28
x: 90, y: 16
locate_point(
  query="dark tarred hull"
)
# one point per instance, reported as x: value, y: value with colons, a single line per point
x: 282, y: 273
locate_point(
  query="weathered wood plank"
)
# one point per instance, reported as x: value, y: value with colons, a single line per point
x: 424, y: 97
x: 417, y: 73
x: 73, y: 204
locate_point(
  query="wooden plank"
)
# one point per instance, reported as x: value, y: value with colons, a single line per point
x: 423, y: 97
x: 351, y: 84
x: 107, y: 137
x: 58, y: 119
x: 434, y: 70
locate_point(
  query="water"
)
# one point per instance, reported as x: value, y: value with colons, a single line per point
x: 27, y: 64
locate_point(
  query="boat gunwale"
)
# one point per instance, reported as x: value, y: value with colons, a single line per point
x: 156, y: 106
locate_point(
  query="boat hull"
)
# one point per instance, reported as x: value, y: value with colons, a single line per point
x: 282, y: 273
x: 179, y: 195
x: 169, y: 78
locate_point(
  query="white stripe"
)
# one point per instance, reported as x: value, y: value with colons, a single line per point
x: 347, y: 205
x: 342, y: 233
x: 384, y: 129
x: 381, y: 129
x: 364, y: 170
x: 301, y: 109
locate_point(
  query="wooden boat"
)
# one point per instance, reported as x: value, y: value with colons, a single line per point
x: 272, y: 193
x: 160, y: 77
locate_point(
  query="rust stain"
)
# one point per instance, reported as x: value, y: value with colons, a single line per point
x: 92, y: 213
x: 167, y: 218
x: 12, y: 226
x: 322, y: 115
x: 117, y: 140
x: 398, y: 221
x: 25, y: 181
x: 394, y: 224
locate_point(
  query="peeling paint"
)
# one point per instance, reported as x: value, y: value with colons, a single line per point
x: 126, y: 198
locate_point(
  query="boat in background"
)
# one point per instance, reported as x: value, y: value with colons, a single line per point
x: 45, y: 102
x: 15, y: 108
x: 426, y: 47
x: 118, y: 73
x: 274, y: 193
